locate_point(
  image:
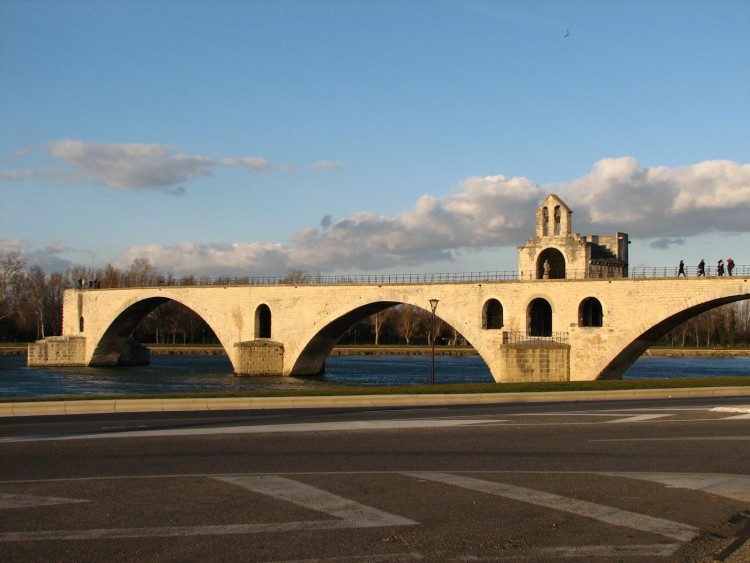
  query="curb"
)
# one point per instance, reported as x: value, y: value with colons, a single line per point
x: 106, y: 406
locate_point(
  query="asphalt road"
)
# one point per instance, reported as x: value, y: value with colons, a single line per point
x: 665, y: 480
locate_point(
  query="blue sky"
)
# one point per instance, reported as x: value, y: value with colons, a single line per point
x: 253, y: 138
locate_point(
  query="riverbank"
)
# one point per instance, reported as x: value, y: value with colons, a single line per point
x: 20, y: 349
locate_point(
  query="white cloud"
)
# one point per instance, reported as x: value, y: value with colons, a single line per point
x: 131, y: 166
x: 255, y: 163
x: 621, y: 194
x: 661, y: 204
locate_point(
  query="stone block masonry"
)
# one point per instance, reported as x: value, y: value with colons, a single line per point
x: 260, y: 357
x: 58, y: 351
x: 536, y: 361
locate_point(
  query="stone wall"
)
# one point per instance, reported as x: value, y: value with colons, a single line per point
x: 259, y: 357
x: 535, y: 361
x: 58, y: 351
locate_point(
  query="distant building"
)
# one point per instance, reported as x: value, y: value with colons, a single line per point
x: 558, y: 253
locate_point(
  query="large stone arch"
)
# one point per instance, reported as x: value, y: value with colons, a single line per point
x: 639, y: 340
x: 311, y: 359
x: 317, y: 347
x: 113, y: 346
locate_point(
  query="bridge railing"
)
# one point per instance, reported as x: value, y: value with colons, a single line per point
x: 519, y: 337
x: 637, y: 272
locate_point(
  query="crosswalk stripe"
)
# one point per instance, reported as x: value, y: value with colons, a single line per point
x: 730, y: 486
x: 608, y: 514
x: 360, y: 515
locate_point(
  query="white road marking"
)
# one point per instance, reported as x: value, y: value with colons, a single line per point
x: 637, y: 418
x: 348, y: 514
x: 29, y: 501
x: 358, y: 515
x: 732, y: 409
x: 730, y: 486
x: 737, y: 417
x: 608, y: 514
x: 675, y: 439
x: 261, y: 429
x: 657, y: 550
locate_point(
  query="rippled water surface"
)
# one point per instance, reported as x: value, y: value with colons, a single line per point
x: 179, y: 374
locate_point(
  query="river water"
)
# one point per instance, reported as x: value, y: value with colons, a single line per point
x: 185, y: 374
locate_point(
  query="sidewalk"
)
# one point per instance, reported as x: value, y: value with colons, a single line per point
x: 91, y: 406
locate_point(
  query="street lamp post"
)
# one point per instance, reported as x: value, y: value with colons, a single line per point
x: 433, y: 305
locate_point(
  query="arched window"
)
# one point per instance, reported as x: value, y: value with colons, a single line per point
x: 539, y: 318
x: 545, y: 222
x: 555, y: 262
x: 263, y: 322
x: 590, y: 312
x: 492, y: 315
x: 558, y: 218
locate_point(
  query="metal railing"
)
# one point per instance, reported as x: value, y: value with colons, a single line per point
x: 638, y: 272
x: 521, y: 337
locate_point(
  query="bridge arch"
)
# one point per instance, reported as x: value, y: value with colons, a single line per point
x: 312, y: 357
x: 114, y: 346
x: 639, y: 340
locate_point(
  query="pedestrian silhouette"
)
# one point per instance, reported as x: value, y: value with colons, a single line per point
x: 702, y: 268
x: 681, y: 272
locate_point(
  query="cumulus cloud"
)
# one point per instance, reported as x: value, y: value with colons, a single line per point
x: 254, y: 163
x: 621, y: 194
x: 131, y: 166
x: 660, y: 204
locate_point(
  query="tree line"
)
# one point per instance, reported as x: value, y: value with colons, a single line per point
x: 31, y: 309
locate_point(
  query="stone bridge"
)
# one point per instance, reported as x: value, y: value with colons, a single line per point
x: 525, y: 330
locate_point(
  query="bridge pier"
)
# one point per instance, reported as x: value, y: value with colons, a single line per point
x: 533, y: 361
x: 58, y: 351
x: 259, y: 357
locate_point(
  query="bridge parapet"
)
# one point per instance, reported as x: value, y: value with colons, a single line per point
x: 636, y: 272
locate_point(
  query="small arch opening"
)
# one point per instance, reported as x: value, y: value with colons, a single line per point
x: 263, y: 321
x: 80, y: 324
x: 590, y: 313
x: 539, y: 318
x: 492, y: 315
x: 550, y: 264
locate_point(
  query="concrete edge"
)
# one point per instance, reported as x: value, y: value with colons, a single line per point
x: 94, y: 406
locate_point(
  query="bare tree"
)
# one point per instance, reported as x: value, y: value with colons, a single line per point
x: 378, y: 321
x: 407, y: 321
x: 12, y: 271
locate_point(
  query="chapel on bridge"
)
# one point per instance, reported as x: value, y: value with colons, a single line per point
x: 558, y: 253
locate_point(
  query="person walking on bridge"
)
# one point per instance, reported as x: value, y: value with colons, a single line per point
x: 730, y: 266
x: 702, y: 268
x: 720, y: 267
x: 681, y: 271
